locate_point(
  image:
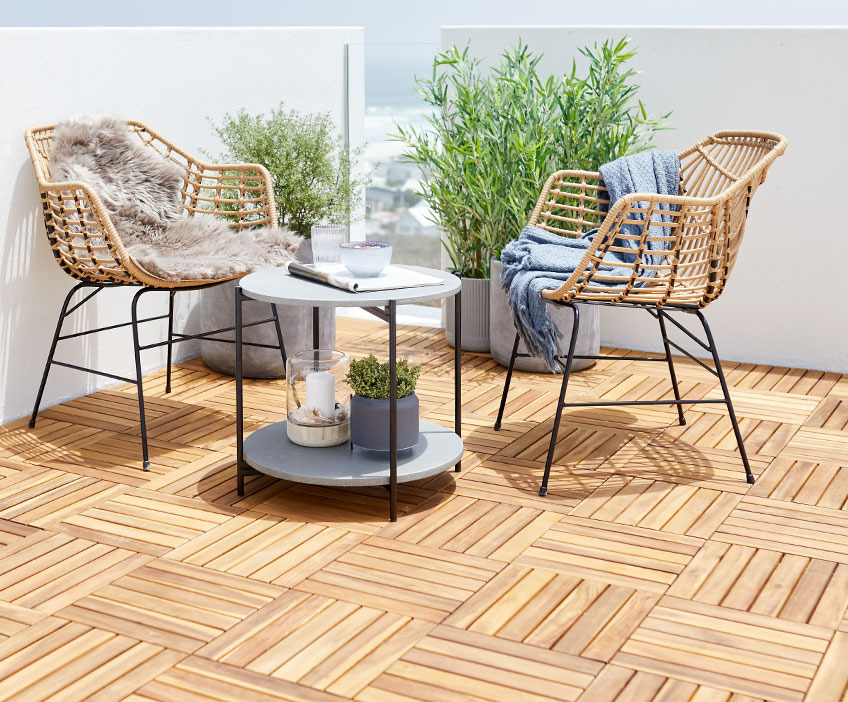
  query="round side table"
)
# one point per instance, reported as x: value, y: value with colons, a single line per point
x: 269, y: 451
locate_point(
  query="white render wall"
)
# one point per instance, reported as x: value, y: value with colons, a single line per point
x: 171, y: 79
x: 779, y: 307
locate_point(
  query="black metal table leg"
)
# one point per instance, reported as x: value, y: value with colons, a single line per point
x: 316, y: 328
x: 170, y: 338
x: 457, y: 366
x: 239, y: 397
x: 393, y: 449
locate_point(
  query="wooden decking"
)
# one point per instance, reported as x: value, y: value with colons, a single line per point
x: 650, y: 571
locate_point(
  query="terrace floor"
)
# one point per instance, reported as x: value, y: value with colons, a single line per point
x: 650, y: 571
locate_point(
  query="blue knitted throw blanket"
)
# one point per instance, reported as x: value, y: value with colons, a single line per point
x: 539, y: 260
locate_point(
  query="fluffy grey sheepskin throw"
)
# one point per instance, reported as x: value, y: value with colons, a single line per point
x: 141, y: 190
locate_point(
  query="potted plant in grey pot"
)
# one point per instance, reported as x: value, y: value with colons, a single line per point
x: 369, y: 406
x: 314, y: 179
x: 492, y: 139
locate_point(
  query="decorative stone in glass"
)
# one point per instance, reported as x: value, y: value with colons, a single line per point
x: 318, y: 398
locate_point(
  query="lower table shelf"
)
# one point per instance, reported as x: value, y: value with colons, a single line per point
x: 269, y: 451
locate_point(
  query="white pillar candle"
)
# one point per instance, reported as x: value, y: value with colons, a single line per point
x: 321, y: 393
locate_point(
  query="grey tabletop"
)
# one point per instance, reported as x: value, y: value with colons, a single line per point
x: 277, y: 286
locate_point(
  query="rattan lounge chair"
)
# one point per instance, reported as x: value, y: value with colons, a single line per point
x: 87, y: 247
x: 718, y: 178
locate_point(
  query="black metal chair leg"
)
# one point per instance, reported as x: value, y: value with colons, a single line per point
x: 749, y: 476
x: 680, y: 417
x: 507, y: 382
x: 47, y: 365
x: 170, y: 338
x: 575, y: 326
x: 138, y: 379
x: 279, y: 335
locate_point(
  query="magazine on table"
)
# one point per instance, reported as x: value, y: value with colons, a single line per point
x: 336, y: 275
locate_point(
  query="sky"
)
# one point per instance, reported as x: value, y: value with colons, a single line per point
x: 395, y: 21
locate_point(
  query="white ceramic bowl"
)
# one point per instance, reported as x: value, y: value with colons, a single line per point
x: 366, y: 259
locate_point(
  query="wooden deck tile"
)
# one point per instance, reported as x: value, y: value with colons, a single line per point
x: 452, y: 664
x: 318, y: 641
x: 216, y: 482
x: 617, y: 684
x: 516, y: 481
x: 146, y: 521
x: 10, y: 532
x: 657, y: 504
x: 418, y: 581
x: 557, y: 611
x: 476, y: 527
x: 364, y: 510
x: 797, y: 588
x: 172, y: 604
x: 677, y: 461
x: 747, y: 653
x: 820, y: 484
x: 814, y: 444
x: 117, y: 457
x: 42, y: 496
x: 804, y: 530
x: 267, y: 548
x: 831, y: 681
x: 831, y: 413
x: 202, y: 680
x: 47, y: 571
x: 781, y: 408
x: 14, y: 619
x: 67, y: 661
x: 643, y: 559
x: 50, y: 438
x: 107, y: 410
x: 781, y: 379
x: 713, y: 430
x: 577, y: 446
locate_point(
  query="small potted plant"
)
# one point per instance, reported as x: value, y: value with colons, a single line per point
x: 369, y: 406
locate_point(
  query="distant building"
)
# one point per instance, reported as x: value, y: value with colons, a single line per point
x: 380, y: 198
x: 418, y: 221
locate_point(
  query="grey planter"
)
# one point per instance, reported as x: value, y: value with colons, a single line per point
x: 217, y: 311
x: 502, y: 330
x: 475, y: 316
x: 369, y: 422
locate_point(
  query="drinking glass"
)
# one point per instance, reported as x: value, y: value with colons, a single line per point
x: 325, y: 242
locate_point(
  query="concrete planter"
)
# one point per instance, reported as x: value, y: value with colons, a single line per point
x: 475, y: 315
x: 369, y: 422
x: 502, y: 330
x: 217, y: 311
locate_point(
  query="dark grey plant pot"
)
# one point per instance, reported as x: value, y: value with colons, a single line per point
x: 369, y: 422
x: 502, y: 330
x: 475, y: 316
x: 217, y: 311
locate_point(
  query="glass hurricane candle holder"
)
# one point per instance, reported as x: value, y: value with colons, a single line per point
x: 318, y: 398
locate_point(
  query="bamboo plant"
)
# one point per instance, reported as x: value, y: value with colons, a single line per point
x: 492, y: 138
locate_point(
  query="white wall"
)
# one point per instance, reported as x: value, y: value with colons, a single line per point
x: 779, y: 307
x: 171, y: 79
